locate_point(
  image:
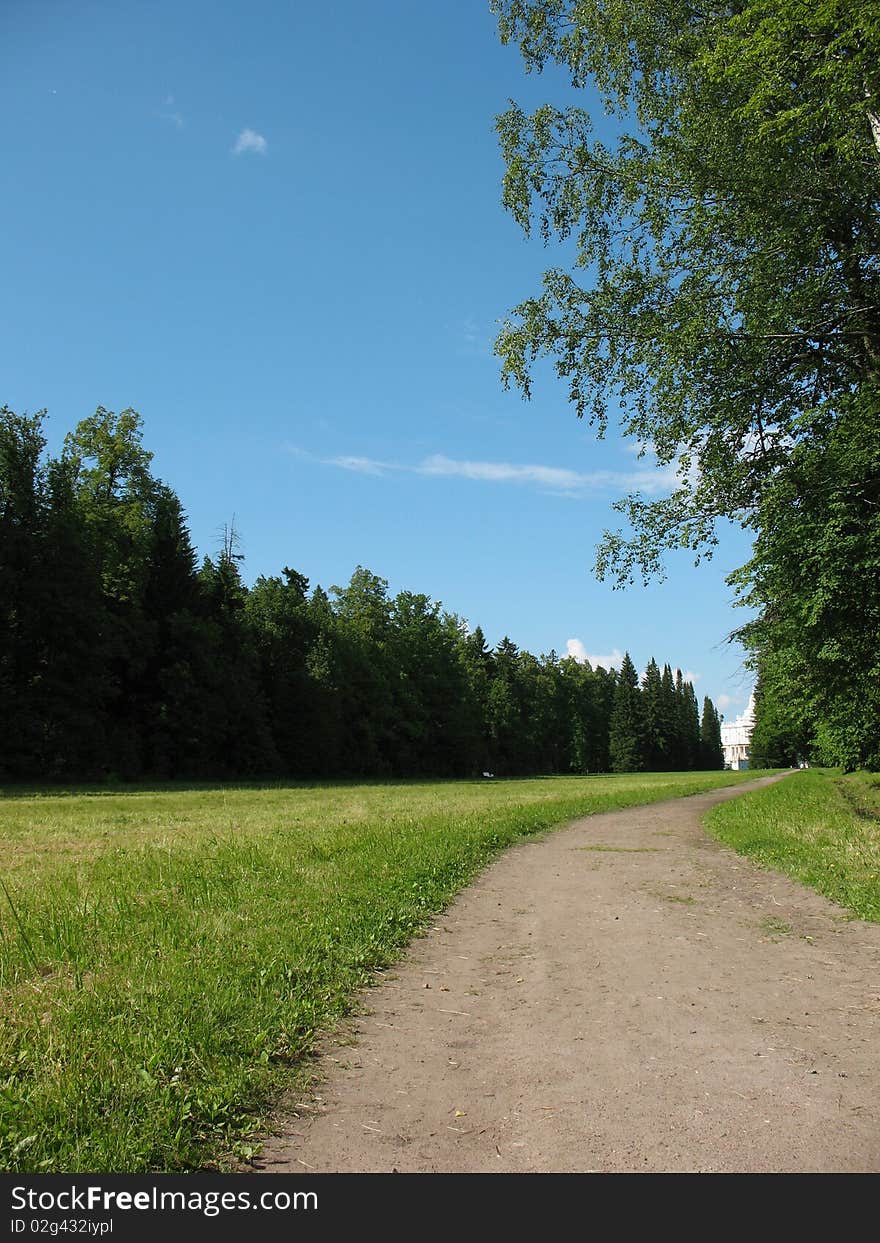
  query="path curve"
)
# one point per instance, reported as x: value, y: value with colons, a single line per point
x: 619, y: 995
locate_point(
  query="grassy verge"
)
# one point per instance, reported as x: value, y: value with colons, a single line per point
x: 166, y: 957
x: 820, y: 827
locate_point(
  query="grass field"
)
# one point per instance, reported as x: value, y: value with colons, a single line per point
x: 820, y: 827
x: 167, y: 956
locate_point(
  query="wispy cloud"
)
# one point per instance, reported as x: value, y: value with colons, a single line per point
x: 470, y: 331
x: 168, y: 115
x: 476, y: 339
x: 723, y: 702
x: 360, y: 465
x: 503, y: 472
x: 555, y: 479
x: 250, y: 141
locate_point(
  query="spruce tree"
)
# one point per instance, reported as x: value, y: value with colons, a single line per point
x: 692, y: 727
x: 711, y: 751
x: 503, y: 710
x: 603, y: 683
x: 22, y: 582
x: 627, y: 721
x: 77, y: 684
x: 668, y: 722
x: 655, y: 725
x: 277, y: 616
x: 477, y: 662
x: 687, y: 725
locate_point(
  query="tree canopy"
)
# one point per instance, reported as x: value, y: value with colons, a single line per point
x: 724, y: 295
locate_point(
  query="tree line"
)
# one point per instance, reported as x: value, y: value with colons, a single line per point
x: 123, y: 657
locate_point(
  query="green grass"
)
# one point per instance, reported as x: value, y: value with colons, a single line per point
x: 818, y: 826
x: 168, y: 956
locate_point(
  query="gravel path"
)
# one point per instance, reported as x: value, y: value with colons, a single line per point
x: 625, y: 994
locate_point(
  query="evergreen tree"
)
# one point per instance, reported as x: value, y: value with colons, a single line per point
x: 78, y: 643
x: 325, y: 741
x: 687, y: 725
x: 667, y: 727
x: 692, y: 727
x: 579, y: 714
x: 171, y: 585
x: 478, y: 664
x: 655, y: 739
x: 22, y: 587
x: 237, y: 738
x: 282, y: 632
x: 711, y: 751
x: 550, y: 720
x: 603, y: 687
x: 503, y: 711
x: 366, y: 680
x: 168, y: 698
x: 626, y: 739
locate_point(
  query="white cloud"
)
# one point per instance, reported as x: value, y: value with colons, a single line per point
x: 250, y: 140
x: 613, y: 660
x: 502, y: 472
x: 174, y: 117
x: 557, y: 479
x: 723, y: 702
x: 476, y: 339
x: 361, y: 465
x: 575, y: 648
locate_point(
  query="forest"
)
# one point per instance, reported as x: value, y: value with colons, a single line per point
x: 124, y: 659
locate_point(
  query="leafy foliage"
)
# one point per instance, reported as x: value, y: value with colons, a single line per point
x: 725, y: 298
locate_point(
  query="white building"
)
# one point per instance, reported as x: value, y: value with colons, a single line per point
x: 736, y: 737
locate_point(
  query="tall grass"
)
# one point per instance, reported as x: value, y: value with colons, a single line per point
x: 167, y: 958
x: 820, y: 827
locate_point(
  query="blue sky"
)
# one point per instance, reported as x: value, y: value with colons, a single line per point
x: 275, y: 230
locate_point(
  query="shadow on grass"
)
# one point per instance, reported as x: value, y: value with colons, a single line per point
x: 98, y: 789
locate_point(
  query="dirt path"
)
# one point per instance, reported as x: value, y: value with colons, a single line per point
x: 626, y: 994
